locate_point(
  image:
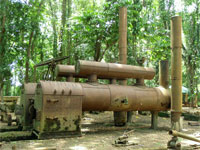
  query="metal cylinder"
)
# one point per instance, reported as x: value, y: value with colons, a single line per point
x: 65, y: 70
x: 123, y: 35
x: 92, y: 78
x: 113, y: 81
x: 176, y: 69
x: 104, y: 70
x: 111, y: 97
x: 124, y: 98
x: 70, y: 78
x: 120, y: 118
x: 113, y: 70
x: 164, y: 73
x: 182, y: 135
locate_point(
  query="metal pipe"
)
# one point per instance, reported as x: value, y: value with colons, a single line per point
x: 92, y: 78
x: 65, y: 70
x: 104, y: 70
x: 123, y: 35
x: 182, y: 135
x: 176, y: 71
x: 70, y: 78
x: 120, y: 118
x: 164, y: 73
x: 113, y: 70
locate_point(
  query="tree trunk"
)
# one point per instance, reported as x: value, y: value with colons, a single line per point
x: 8, y: 88
x: 97, y: 48
x: 3, y: 29
x: 53, y: 22
x: 1, y: 91
x: 62, y: 31
x: 68, y: 32
x: 28, y: 55
x: 28, y: 52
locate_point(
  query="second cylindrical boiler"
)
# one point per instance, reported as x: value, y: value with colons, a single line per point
x: 113, y: 70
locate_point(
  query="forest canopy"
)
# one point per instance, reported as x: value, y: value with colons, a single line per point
x: 32, y: 31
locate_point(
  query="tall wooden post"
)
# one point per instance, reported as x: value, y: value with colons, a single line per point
x: 120, y: 118
x: 176, y: 72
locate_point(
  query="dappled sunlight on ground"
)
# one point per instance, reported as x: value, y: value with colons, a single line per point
x: 99, y: 133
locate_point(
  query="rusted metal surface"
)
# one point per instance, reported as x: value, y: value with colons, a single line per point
x: 92, y: 78
x: 27, y: 100
x: 124, y: 98
x: 182, y: 135
x: 59, y: 105
x: 176, y: 70
x: 70, y: 78
x: 29, y: 88
x: 154, y: 119
x: 113, y: 70
x: 123, y: 35
x: 58, y: 108
x: 65, y: 70
x: 164, y: 73
x: 110, y: 97
x: 120, y: 118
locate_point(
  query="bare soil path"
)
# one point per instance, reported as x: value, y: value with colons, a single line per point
x: 99, y: 133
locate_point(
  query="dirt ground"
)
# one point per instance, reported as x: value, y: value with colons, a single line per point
x: 99, y: 133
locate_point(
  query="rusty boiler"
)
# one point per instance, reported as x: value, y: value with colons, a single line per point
x: 58, y: 109
x: 59, y: 105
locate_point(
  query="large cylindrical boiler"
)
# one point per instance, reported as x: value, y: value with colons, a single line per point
x: 112, y: 97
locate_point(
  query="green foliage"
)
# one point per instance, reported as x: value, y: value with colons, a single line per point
x: 91, y: 33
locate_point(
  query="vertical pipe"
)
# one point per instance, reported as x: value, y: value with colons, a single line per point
x: 141, y: 80
x: 120, y: 118
x: 113, y: 81
x: 164, y: 73
x: 70, y: 78
x: 176, y: 72
x: 164, y: 82
x: 92, y: 78
x: 123, y: 35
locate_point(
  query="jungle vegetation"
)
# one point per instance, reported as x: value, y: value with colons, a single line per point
x: 32, y: 31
